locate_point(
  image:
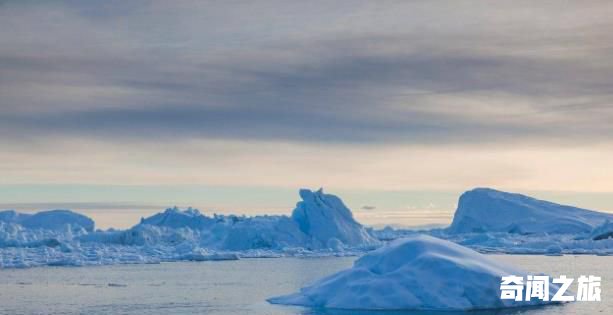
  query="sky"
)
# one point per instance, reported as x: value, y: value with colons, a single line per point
x: 136, y: 100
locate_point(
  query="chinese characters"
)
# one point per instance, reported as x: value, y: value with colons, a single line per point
x: 514, y: 288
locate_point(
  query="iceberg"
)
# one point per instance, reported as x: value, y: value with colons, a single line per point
x: 320, y: 225
x: 50, y: 220
x: 417, y: 273
x: 327, y: 220
x: 489, y: 210
x: 492, y: 221
x: 175, y: 218
x: 319, y: 221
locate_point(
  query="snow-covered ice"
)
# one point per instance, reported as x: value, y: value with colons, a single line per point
x: 488, y: 210
x: 603, y: 231
x: 329, y: 222
x: 50, y: 220
x: 494, y: 221
x: 320, y: 225
x: 416, y: 273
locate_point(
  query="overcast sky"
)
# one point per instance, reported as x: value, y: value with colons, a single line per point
x: 374, y: 95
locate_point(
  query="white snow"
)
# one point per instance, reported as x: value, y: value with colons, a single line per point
x: 417, y: 273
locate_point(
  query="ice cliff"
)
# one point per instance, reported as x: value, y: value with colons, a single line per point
x: 603, y: 231
x: 327, y: 221
x: 416, y: 273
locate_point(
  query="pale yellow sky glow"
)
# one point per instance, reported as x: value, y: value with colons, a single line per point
x: 513, y: 166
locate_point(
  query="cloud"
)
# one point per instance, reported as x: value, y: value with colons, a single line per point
x: 83, y: 76
x: 410, y: 98
x: 328, y: 76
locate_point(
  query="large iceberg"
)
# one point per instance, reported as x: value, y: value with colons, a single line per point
x: 417, y: 273
x: 489, y: 210
x: 319, y: 221
x: 486, y: 220
x: 494, y: 221
x: 326, y: 219
x: 320, y: 225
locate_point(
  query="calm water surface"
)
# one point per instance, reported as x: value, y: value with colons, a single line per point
x: 231, y: 287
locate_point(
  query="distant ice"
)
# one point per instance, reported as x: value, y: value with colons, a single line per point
x: 494, y: 221
x: 488, y: 210
x: 50, y: 220
x: 321, y: 225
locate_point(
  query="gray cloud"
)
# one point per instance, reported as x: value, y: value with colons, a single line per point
x: 149, y: 71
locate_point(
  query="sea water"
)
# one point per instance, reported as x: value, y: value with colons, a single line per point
x: 234, y: 287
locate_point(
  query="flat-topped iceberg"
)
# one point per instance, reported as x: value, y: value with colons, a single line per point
x: 489, y: 210
x: 49, y: 220
x: 417, y: 273
x: 494, y: 221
